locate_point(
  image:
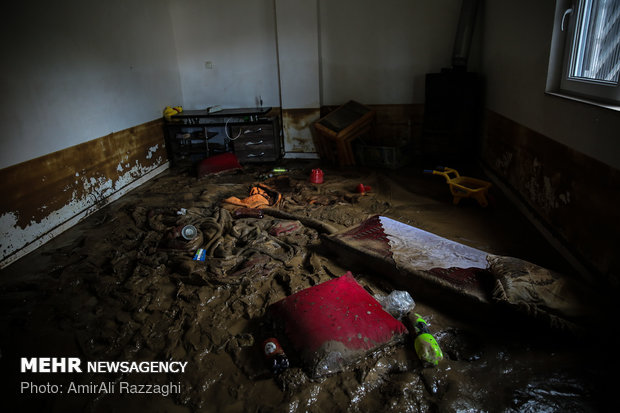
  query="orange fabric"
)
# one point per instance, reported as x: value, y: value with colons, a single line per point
x: 260, y: 196
x: 253, y: 201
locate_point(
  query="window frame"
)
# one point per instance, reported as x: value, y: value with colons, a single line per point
x: 605, y: 94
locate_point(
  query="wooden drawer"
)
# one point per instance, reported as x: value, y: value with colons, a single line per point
x: 255, y: 142
x: 259, y: 143
x: 256, y: 156
x: 249, y: 132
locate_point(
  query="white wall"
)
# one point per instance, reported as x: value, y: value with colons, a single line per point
x: 298, y: 53
x: 238, y: 38
x: 374, y: 52
x: 77, y: 70
x: 517, y: 40
x: 378, y: 52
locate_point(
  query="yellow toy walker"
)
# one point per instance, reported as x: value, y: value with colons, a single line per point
x: 463, y: 186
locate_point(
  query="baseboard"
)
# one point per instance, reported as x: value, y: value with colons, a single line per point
x: 48, y: 236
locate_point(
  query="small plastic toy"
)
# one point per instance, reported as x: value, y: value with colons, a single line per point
x: 425, y: 344
x: 463, y: 186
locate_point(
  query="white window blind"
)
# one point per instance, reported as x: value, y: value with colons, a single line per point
x: 596, y: 42
x: 584, y: 63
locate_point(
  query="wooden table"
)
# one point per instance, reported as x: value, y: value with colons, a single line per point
x: 336, y: 131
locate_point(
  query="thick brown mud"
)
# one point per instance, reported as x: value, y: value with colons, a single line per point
x: 122, y: 286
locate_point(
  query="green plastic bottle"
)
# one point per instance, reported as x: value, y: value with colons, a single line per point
x: 425, y: 344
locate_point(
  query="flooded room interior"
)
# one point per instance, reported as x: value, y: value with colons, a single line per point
x: 310, y: 206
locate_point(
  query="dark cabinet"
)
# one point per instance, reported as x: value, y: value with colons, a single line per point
x: 251, y: 133
x: 257, y: 142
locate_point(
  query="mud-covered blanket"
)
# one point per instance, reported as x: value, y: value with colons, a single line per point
x: 432, y: 267
x: 561, y: 302
x: 234, y: 249
x: 438, y: 270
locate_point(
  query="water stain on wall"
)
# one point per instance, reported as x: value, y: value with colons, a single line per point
x: 575, y: 195
x: 42, y: 193
x: 297, y: 129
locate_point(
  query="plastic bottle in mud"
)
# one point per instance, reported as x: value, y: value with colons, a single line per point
x: 278, y: 362
x: 425, y: 344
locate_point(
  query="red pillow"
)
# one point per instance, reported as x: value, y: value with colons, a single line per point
x: 218, y: 163
x: 334, y: 323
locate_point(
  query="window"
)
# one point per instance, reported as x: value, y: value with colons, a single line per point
x: 585, y: 56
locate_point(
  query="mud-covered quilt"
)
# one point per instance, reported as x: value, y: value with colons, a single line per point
x: 437, y: 269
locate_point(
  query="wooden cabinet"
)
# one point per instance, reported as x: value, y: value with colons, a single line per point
x: 197, y: 134
x: 257, y: 142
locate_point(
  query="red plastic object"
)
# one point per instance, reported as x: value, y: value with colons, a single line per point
x: 362, y: 189
x: 316, y: 176
x: 336, y: 310
x: 285, y: 227
x: 218, y: 163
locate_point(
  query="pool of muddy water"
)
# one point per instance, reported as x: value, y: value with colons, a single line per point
x: 114, y: 288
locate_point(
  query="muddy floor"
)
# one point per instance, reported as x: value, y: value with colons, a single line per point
x: 120, y: 286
